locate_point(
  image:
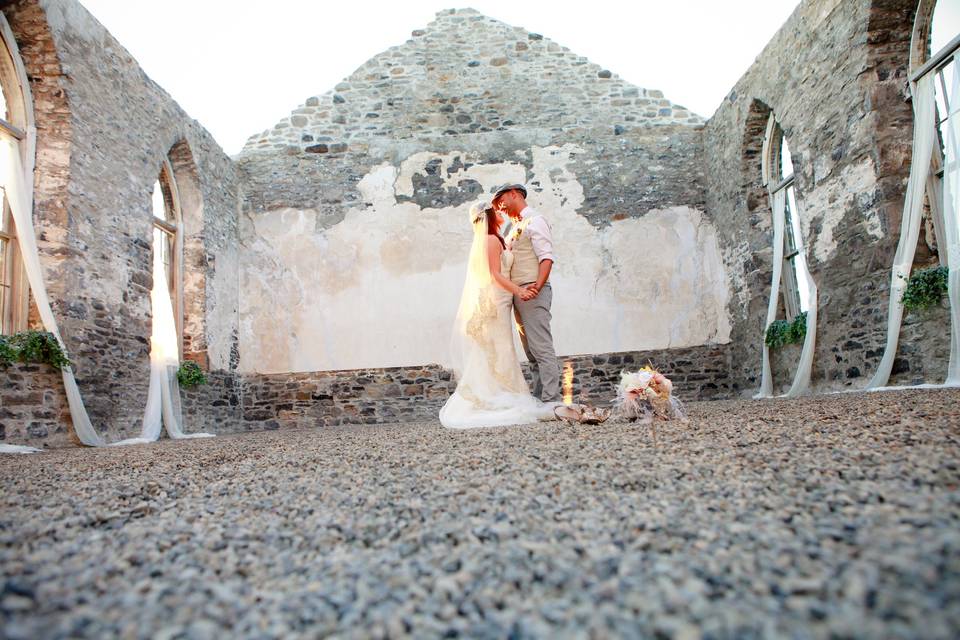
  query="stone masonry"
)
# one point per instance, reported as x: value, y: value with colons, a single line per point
x: 355, y: 203
x: 463, y: 74
x: 407, y: 394
x: 33, y: 406
x: 468, y: 81
x: 103, y: 129
x: 397, y: 152
x: 835, y: 76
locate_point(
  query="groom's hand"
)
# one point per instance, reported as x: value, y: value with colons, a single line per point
x: 529, y: 293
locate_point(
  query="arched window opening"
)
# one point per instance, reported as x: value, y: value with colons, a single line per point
x: 937, y: 32
x: 192, y: 255
x: 792, y: 288
x: 168, y: 241
x: 778, y: 176
x: 14, y: 290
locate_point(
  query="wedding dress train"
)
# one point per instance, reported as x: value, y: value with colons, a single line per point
x: 491, y: 390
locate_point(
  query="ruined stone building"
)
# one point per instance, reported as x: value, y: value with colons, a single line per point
x: 317, y: 273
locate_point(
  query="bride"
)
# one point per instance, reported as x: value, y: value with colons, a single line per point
x: 491, y: 390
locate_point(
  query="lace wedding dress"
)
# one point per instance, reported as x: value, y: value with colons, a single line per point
x: 491, y: 390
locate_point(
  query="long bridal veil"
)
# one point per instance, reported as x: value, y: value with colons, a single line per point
x: 477, y: 295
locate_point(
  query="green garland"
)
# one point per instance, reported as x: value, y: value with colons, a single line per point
x: 33, y: 346
x: 8, y: 354
x: 925, y: 288
x: 190, y: 374
x: 781, y: 332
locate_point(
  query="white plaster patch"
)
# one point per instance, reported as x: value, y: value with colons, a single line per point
x: 735, y: 257
x: 821, y: 11
x: 381, y: 287
x: 674, y: 281
x: 829, y: 203
x: 872, y: 224
x: 222, y: 309
x: 377, y: 186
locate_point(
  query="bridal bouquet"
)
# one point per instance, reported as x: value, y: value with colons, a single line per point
x: 647, y: 395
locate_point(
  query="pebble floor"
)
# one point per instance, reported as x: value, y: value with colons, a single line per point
x: 836, y: 516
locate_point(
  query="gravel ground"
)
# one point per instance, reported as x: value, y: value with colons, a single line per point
x: 832, y: 516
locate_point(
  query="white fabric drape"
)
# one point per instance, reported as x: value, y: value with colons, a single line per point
x: 16, y: 448
x: 477, y: 292
x: 801, y: 380
x: 924, y: 109
x: 951, y: 222
x: 163, y: 396
x: 779, y: 221
x: 935, y: 195
x: 19, y: 189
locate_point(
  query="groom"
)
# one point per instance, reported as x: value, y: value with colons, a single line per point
x: 532, y: 246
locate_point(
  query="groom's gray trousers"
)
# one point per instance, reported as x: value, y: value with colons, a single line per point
x: 533, y: 316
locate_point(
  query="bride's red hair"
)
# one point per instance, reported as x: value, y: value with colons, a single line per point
x: 493, y: 229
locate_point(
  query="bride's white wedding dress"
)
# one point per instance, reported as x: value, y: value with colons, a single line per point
x: 491, y: 390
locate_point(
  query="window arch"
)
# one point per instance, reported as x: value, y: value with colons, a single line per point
x: 16, y: 118
x: 779, y: 179
x: 790, y: 277
x: 936, y: 38
x: 168, y: 240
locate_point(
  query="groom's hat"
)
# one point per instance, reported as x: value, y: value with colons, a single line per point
x: 510, y: 187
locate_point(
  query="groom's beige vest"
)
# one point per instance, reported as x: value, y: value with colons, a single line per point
x: 526, y: 266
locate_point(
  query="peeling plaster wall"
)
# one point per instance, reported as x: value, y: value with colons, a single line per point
x: 835, y: 75
x: 355, y: 229
x: 381, y: 286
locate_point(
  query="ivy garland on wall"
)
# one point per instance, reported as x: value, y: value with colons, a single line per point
x: 41, y: 347
x: 32, y: 346
x: 190, y: 375
x: 781, y: 332
x: 925, y: 288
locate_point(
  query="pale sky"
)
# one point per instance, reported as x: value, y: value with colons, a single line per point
x: 239, y: 66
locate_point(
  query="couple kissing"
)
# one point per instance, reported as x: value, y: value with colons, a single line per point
x: 507, y: 278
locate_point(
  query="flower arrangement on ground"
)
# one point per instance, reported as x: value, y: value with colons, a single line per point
x: 647, y: 395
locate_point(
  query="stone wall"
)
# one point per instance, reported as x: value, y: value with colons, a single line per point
x: 465, y: 73
x: 364, y: 396
x: 698, y: 373
x: 835, y: 75
x: 34, y: 409
x: 349, y: 220
x: 213, y: 407
x: 33, y: 406
x: 356, y: 241
x: 103, y: 131
x: 402, y: 394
